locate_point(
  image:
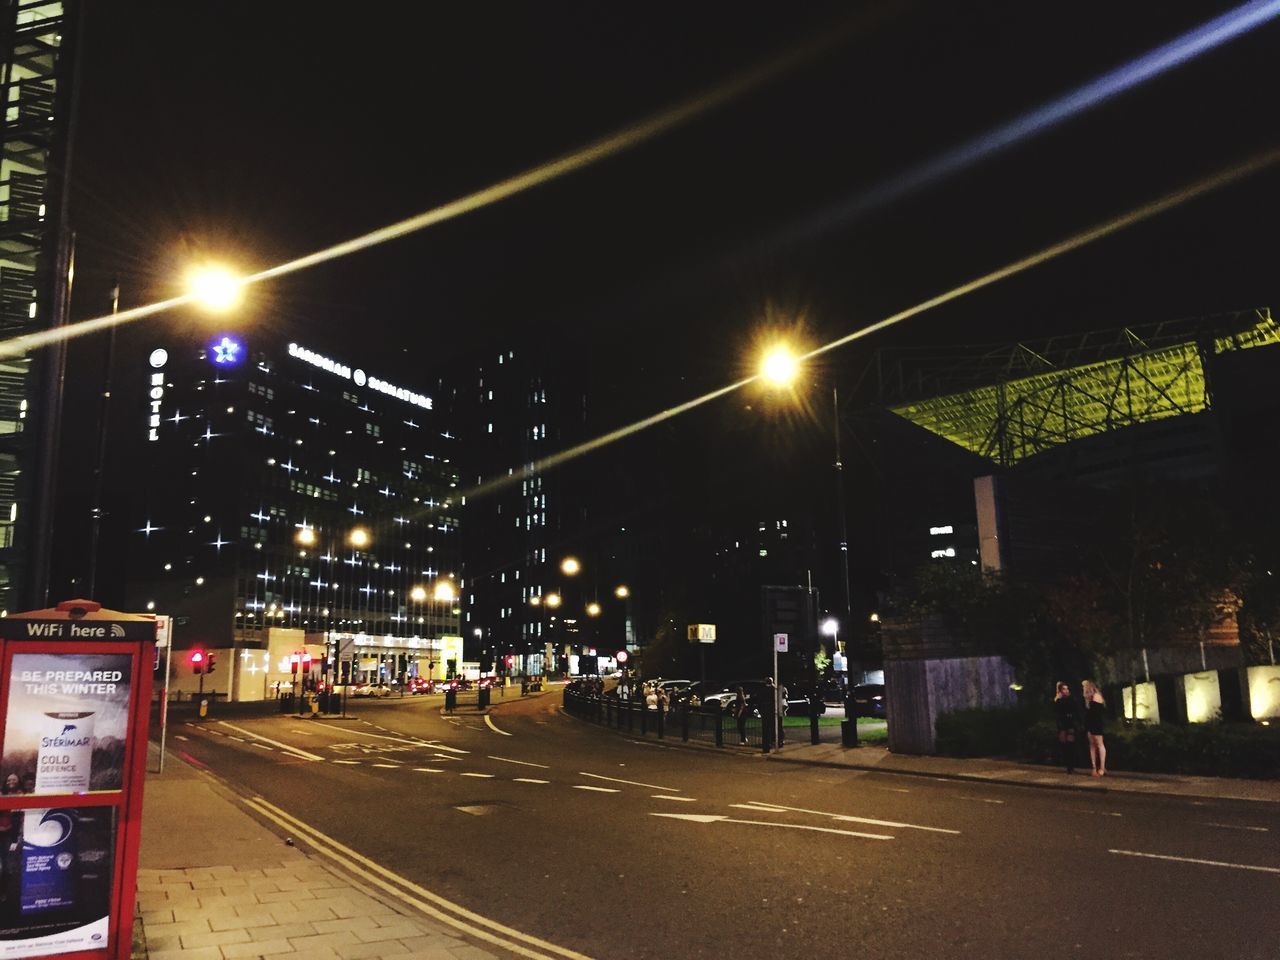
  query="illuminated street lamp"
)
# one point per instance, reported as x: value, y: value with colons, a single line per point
x: 306, y: 536
x: 593, y: 609
x: 535, y: 601
x: 418, y: 594
x: 444, y: 592
x: 780, y: 366
x: 570, y: 566
x: 552, y: 600
x: 622, y: 591
x: 214, y: 287
x: 359, y: 538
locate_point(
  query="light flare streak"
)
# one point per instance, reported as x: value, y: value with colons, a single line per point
x: 1199, y: 188
x: 621, y: 141
x: 1182, y: 49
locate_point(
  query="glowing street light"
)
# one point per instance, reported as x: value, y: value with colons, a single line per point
x: 570, y: 566
x: 359, y: 537
x: 622, y: 591
x: 535, y: 601
x: 780, y: 366
x: 418, y: 594
x: 593, y: 609
x: 214, y: 288
x: 552, y: 600
x: 831, y: 627
x: 443, y: 591
x: 306, y: 536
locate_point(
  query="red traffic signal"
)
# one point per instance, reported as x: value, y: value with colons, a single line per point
x: 210, y: 662
x: 197, y: 661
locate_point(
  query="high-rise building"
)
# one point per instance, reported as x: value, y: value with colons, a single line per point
x: 37, y: 73
x: 287, y: 489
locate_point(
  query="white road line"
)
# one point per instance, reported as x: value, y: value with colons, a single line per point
x: 523, y: 763
x: 428, y: 770
x: 347, y: 762
x: 712, y: 818
x: 262, y: 746
x: 412, y: 743
x: 305, y: 733
x: 478, y: 776
x: 1205, y: 863
x: 275, y: 743
x: 630, y: 783
x: 529, y: 780
x: 979, y: 799
x: 178, y: 736
x: 443, y: 756
x: 387, y: 766
x: 1238, y: 826
x: 234, y: 737
x: 662, y: 796
x: 845, y: 818
x: 489, y: 723
x: 216, y: 733
x: 579, y: 786
x: 1098, y: 813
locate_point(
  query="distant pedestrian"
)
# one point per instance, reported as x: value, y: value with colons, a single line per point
x: 450, y: 699
x: 664, y: 700
x: 1095, y: 714
x: 783, y: 695
x: 740, y: 711
x: 1068, y: 719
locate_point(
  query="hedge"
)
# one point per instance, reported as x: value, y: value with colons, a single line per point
x: 1205, y: 749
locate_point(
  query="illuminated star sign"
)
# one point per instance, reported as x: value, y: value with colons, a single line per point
x: 226, y: 351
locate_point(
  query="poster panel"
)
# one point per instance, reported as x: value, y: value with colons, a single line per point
x: 67, y: 723
x: 56, y: 880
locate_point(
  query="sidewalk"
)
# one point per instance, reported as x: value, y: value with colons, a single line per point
x: 1026, y: 774
x: 214, y: 884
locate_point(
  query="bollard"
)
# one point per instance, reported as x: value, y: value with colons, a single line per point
x: 813, y: 725
x: 204, y: 709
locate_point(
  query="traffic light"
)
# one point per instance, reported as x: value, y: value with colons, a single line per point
x: 197, y: 660
x: 210, y: 662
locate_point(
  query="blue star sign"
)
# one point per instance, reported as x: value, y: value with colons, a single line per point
x: 226, y: 352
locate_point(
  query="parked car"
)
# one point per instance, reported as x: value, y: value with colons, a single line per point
x: 421, y: 685
x: 722, y: 699
x: 368, y: 689
x: 799, y: 700
x: 868, y: 700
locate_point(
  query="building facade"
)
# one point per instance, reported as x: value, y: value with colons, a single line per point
x: 38, y: 42
x: 285, y: 489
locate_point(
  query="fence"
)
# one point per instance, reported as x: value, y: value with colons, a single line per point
x: 680, y: 723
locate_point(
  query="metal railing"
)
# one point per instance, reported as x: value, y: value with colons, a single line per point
x: 710, y: 726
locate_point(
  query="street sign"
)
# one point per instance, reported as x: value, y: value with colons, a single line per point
x: 622, y: 656
x: 163, y: 624
x: 702, y: 633
x: 779, y: 643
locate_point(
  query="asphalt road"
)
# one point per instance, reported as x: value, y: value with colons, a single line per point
x: 616, y: 848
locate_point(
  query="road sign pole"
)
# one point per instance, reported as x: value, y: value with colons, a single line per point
x: 164, y: 692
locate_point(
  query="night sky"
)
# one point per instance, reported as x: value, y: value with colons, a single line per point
x: 253, y: 133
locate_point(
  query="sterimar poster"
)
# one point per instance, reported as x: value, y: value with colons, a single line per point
x: 65, y: 733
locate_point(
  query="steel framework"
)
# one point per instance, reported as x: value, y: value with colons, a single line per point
x: 1013, y: 401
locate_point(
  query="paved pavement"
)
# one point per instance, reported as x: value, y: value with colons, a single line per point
x: 214, y: 884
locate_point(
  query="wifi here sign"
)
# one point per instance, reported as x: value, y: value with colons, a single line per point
x: 17, y: 628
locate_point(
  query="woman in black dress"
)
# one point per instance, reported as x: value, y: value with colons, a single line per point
x: 1064, y: 711
x: 1095, y: 713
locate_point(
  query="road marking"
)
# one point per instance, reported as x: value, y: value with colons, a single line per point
x: 413, y: 743
x: 529, y: 780
x: 234, y: 737
x: 437, y: 745
x: 978, y: 799
x: 178, y: 736
x: 275, y: 743
x: 713, y: 818
x: 216, y: 733
x: 661, y: 796
x: 431, y: 904
x: 428, y: 770
x: 1238, y: 826
x: 630, y: 783
x: 579, y: 786
x: 351, y: 762
x: 1205, y: 863
x: 443, y: 756
x: 1098, y: 813
x: 387, y: 766
x: 478, y: 776
x: 843, y: 817
x: 305, y: 733
x: 523, y: 763
x: 262, y: 746
x: 489, y: 723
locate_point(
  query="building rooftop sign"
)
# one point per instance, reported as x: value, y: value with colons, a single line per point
x: 359, y: 377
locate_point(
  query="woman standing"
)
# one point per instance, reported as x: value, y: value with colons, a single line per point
x: 1095, y: 713
x: 1064, y: 710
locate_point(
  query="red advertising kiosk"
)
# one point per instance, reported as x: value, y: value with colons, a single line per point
x: 75, y: 696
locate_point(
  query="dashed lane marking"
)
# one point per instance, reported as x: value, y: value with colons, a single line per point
x: 294, y: 751
x: 630, y: 783
x: 352, y: 763
x: 305, y: 733
x: 478, y: 776
x: 428, y: 770
x: 387, y: 766
x: 1238, y: 826
x: 234, y: 737
x: 262, y: 746
x: 713, y: 818
x: 529, y: 780
x: 663, y: 796
x: 980, y: 799
x: 523, y: 763
x: 843, y: 817
x: 580, y: 786
x: 488, y: 720
x: 178, y: 736
x: 1195, y: 860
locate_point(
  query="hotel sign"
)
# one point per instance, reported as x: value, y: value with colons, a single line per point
x: 358, y: 376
